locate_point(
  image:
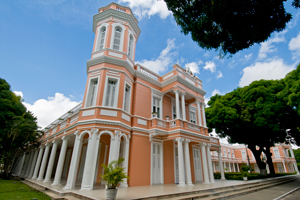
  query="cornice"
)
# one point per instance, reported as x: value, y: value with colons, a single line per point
x: 148, y: 79
x: 116, y: 14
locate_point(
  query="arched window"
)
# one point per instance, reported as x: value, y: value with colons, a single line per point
x: 130, y: 47
x: 102, y: 38
x: 117, y: 38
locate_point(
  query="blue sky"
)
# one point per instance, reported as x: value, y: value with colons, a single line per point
x: 44, y: 46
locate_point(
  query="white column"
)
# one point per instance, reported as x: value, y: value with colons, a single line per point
x: 44, y: 162
x: 268, y: 169
x: 210, y: 169
x: 199, y: 113
x: 237, y: 166
x: 296, y: 167
x: 283, y: 163
x: 229, y: 164
x: 33, y: 163
x: 177, y: 104
x: 203, y: 114
x: 111, y: 150
x: 125, y: 183
x: 28, y: 164
x: 180, y: 162
x: 117, y: 145
x: 51, y: 162
x: 221, y: 165
x: 21, y: 164
x: 38, y: 163
x: 61, y: 161
x: 187, y: 163
x: 90, y: 161
x: 72, y: 175
x: 183, y: 106
x: 292, y: 153
x: 204, y: 163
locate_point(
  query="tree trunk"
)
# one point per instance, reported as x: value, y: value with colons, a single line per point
x: 259, y: 162
x: 269, y: 160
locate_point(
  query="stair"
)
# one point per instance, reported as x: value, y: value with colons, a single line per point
x: 225, y: 192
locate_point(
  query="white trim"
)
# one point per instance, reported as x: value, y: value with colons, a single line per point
x: 116, y: 91
x: 161, y: 162
x: 126, y: 117
x: 88, y: 112
x: 97, y: 40
x: 115, y: 54
x: 129, y: 97
x: 112, y: 113
x: 91, y: 79
x: 114, y: 25
x: 142, y: 122
x: 133, y: 44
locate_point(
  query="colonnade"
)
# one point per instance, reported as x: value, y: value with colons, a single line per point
x: 37, y: 165
x: 185, y: 171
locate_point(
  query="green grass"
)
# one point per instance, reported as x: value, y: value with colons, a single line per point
x: 16, y: 190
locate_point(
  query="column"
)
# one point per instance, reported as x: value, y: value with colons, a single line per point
x: 204, y: 163
x: 292, y: 153
x: 199, y: 113
x: 51, y: 162
x: 44, y: 162
x: 72, y: 175
x: 125, y: 182
x: 296, y: 167
x: 117, y: 145
x: 283, y: 163
x: 187, y: 163
x: 61, y: 161
x: 21, y: 164
x: 111, y: 150
x: 180, y: 162
x: 23, y: 171
x: 33, y: 163
x: 183, y: 106
x: 214, y: 166
x: 221, y: 165
x: 28, y: 164
x: 38, y: 163
x: 177, y: 104
x: 268, y: 169
x: 90, y: 162
x: 237, y: 166
x: 210, y: 169
x: 203, y: 114
x: 229, y: 164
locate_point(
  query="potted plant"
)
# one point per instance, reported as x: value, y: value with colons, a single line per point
x: 113, y: 175
x: 154, y: 114
x: 245, y: 168
x: 167, y: 117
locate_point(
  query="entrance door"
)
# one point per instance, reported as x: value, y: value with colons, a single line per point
x: 197, y: 164
x: 156, y: 163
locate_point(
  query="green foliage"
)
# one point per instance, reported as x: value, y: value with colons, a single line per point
x: 18, y: 127
x: 12, y: 189
x: 245, y: 168
x: 230, y: 25
x: 113, y: 174
x: 251, y: 176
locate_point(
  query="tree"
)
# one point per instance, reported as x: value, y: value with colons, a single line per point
x: 297, y: 157
x: 18, y: 127
x: 230, y: 25
x: 254, y: 115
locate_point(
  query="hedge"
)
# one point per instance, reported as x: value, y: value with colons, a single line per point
x: 251, y: 176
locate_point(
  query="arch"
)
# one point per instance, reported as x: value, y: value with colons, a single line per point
x: 101, y: 37
x: 125, y: 137
x: 117, y: 27
x: 83, y: 133
x: 106, y: 131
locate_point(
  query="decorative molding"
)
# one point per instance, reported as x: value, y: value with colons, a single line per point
x: 126, y: 117
x: 168, y: 76
x: 115, y: 54
x: 109, y: 113
x: 88, y: 113
x: 97, y: 55
x: 142, y: 122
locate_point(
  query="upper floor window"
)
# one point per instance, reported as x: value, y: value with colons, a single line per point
x: 156, y: 106
x: 243, y: 153
x: 130, y: 47
x: 127, y: 98
x: 117, y: 38
x: 228, y: 154
x: 111, y: 93
x: 192, y: 117
x: 102, y: 38
x: 224, y: 153
x: 232, y: 154
x: 276, y: 152
x: 92, y: 93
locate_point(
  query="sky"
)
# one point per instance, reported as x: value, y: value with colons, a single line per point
x: 44, y: 46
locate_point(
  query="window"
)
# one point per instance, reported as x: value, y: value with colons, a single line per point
x: 228, y: 153
x: 110, y: 93
x: 127, y: 98
x: 117, y: 38
x: 276, y: 152
x: 192, y: 117
x: 92, y: 93
x: 243, y: 153
x: 156, y: 106
x: 232, y: 154
x: 224, y: 153
x: 130, y: 47
x: 101, y: 38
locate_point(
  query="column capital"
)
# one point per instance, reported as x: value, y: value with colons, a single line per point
x: 187, y: 140
x: 47, y: 144
x: 198, y: 102
x: 183, y: 93
x: 179, y: 139
x: 203, y: 144
x: 54, y: 141
x: 176, y: 91
x: 65, y: 138
x: 77, y: 132
x: 94, y: 130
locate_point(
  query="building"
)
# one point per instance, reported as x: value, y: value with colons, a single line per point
x: 156, y: 123
x: 233, y: 156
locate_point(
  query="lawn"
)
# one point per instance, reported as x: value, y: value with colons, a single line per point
x: 13, y: 189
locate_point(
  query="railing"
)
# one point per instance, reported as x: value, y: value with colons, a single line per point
x: 162, y: 123
x: 172, y: 123
x: 193, y: 126
x: 147, y: 73
x: 63, y: 124
x: 74, y: 118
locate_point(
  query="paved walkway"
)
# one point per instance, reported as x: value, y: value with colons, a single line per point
x: 144, y: 191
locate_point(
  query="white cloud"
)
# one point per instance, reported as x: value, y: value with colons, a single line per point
x: 165, y: 58
x: 267, y: 47
x: 293, y: 23
x: 220, y: 75
x: 216, y: 91
x: 246, y: 57
x: 19, y: 94
x: 294, y: 45
x: 210, y: 65
x: 48, y: 110
x: 194, y: 67
x: 142, y: 8
x: 271, y: 69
